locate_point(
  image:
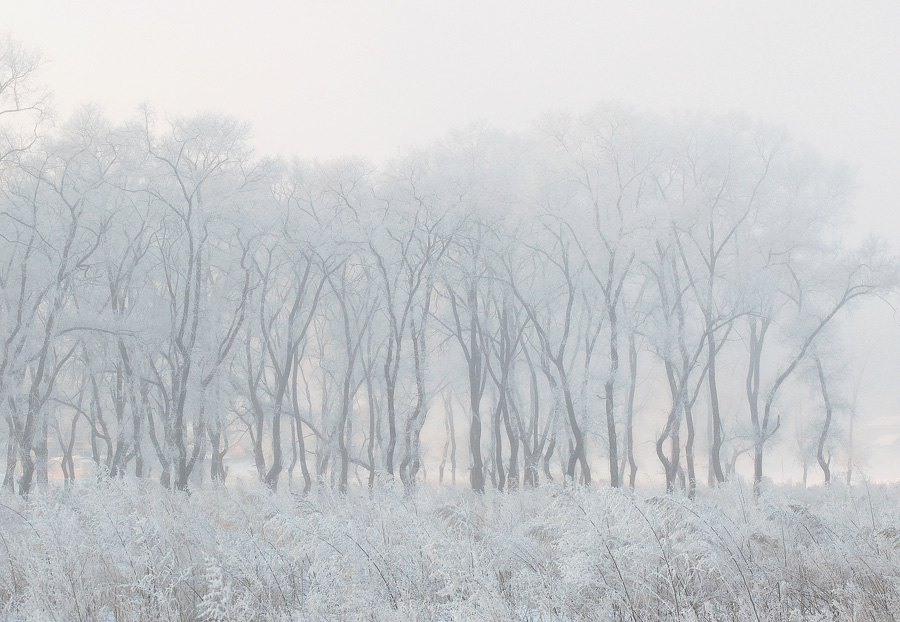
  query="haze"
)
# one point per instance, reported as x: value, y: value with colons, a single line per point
x: 498, y: 310
x: 336, y: 78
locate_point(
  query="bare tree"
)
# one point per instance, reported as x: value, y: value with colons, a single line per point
x: 866, y: 272
x: 721, y: 174
x: 23, y: 100
x: 607, y: 162
x: 201, y: 173
x: 554, y: 334
x: 57, y: 223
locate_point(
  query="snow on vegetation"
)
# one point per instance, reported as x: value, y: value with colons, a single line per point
x: 610, y: 296
x: 127, y: 549
x: 614, y: 297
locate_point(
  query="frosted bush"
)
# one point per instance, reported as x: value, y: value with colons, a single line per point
x: 124, y: 549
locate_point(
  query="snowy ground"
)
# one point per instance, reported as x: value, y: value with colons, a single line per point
x: 127, y: 550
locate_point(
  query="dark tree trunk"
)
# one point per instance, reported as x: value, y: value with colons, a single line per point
x: 609, y: 389
x: 715, y: 450
x: 301, y: 445
x: 820, y: 448
x: 629, y: 425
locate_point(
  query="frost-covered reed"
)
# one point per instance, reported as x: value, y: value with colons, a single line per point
x: 126, y: 549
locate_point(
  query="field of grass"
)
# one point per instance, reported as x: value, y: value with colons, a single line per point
x: 128, y: 550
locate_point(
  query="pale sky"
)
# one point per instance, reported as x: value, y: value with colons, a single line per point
x: 322, y: 79
x: 335, y: 78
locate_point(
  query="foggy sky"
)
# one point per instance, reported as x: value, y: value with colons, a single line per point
x: 327, y: 79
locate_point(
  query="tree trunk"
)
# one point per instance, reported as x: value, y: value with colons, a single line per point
x: 277, y: 457
x: 610, y: 400
x: 715, y: 450
x: 629, y: 424
x: 512, y: 480
x: 689, y: 451
x: 498, y: 448
x: 476, y: 477
x: 820, y: 448
x: 301, y: 445
x: 757, y: 467
x: 12, y: 448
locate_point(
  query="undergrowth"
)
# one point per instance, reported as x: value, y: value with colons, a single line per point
x: 126, y: 549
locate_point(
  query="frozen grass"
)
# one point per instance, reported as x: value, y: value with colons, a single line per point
x: 128, y: 550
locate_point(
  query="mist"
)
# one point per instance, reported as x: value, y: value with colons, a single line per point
x: 502, y: 298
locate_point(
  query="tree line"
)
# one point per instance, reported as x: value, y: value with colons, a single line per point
x: 166, y: 295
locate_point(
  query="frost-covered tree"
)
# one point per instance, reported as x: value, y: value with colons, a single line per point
x: 168, y: 298
x: 201, y: 184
